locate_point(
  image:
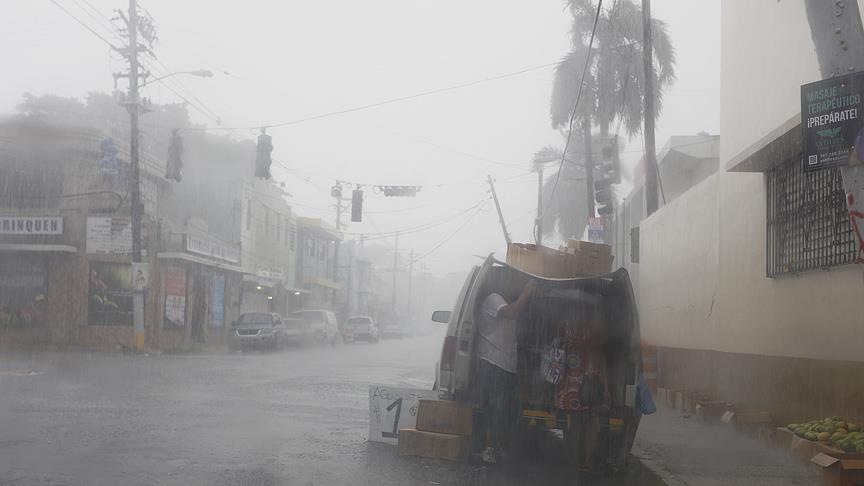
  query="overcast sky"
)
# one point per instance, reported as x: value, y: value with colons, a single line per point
x: 288, y: 60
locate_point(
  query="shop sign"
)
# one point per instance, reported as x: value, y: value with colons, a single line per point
x: 33, y: 225
x: 209, y: 249
x: 831, y: 124
x: 109, y: 235
x: 217, y: 301
x: 596, y: 230
x: 272, y: 273
x: 175, y: 296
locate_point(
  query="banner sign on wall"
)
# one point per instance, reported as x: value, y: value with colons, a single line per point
x: 109, y: 235
x: 175, y: 296
x: 37, y: 225
x: 217, y: 301
x: 831, y: 122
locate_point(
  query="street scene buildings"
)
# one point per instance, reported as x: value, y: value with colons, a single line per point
x: 638, y: 264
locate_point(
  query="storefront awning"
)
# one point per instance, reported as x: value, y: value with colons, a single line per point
x: 176, y: 255
x: 259, y: 280
x: 34, y: 247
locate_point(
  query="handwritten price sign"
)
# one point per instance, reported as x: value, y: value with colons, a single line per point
x: 391, y: 409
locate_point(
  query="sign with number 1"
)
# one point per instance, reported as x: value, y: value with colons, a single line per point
x: 392, y: 409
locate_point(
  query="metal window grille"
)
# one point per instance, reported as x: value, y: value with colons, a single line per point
x: 808, y: 223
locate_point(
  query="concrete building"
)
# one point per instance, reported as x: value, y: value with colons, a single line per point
x: 684, y: 162
x: 745, y: 281
x: 317, y: 263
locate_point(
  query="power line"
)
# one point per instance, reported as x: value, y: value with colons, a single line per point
x: 448, y: 238
x: 386, y: 102
x: 76, y: 19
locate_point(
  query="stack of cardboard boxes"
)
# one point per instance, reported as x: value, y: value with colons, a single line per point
x: 576, y: 259
x: 443, y: 431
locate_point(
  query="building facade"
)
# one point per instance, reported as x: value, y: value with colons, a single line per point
x: 746, y: 282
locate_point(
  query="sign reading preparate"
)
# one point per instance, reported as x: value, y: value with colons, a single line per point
x: 831, y: 122
x: 392, y: 409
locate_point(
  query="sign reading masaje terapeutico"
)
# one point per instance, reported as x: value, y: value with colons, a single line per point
x: 831, y: 122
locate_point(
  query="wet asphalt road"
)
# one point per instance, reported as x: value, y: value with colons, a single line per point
x: 295, y: 417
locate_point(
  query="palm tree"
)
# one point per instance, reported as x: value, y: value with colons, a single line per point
x: 613, y: 86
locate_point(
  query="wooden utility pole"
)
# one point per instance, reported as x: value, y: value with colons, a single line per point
x: 410, y: 283
x: 651, y: 169
x: 133, y: 105
x: 500, y: 214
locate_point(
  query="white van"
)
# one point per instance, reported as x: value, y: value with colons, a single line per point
x: 556, y: 304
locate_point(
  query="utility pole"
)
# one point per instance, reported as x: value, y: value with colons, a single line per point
x: 838, y: 36
x: 133, y: 105
x: 539, y: 224
x: 651, y: 169
x: 589, y: 167
x: 500, y: 214
x: 410, y: 282
x: 395, y: 264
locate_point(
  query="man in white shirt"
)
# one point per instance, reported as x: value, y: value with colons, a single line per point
x: 496, y: 372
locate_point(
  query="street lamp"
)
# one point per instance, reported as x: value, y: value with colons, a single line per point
x: 201, y: 73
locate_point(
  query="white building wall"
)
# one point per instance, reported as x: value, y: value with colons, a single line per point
x: 702, y: 279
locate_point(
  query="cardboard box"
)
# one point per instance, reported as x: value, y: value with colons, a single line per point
x: 783, y: 438
x: 413, y: 442
x: 710, y: 411
x: 803, y: 450
x: 547, y: 262
x: 445, y: 417
x: 839, y: 472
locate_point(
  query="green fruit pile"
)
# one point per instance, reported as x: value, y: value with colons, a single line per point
x: 841, y: 434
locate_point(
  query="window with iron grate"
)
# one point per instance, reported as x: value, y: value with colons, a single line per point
x: 808, y: 223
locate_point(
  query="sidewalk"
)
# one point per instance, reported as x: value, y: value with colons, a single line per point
x: 686, y: 451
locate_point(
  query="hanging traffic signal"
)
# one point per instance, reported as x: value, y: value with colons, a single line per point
x: 357, y: 206
x: 174, y: 164
x: 401, y: 191
x: 262, y: 159
x: 603, y: 196
x: 610, y: 163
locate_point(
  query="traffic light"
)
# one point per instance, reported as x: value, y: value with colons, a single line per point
x: 174, y: 164
x: 357, y: 206
x: 609, y: 172
x: 401, y: 191
x: 603, y: 196
x: 262, y: 159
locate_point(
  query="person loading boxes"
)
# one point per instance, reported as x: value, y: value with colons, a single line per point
x: 497, y: 366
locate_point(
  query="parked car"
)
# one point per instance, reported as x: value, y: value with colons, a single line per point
x: 296, y: 331
x: 323, y: 326
x: 258, y: 329
x: 603, y: 306
x: 361, y: 328
x: 392, y: 331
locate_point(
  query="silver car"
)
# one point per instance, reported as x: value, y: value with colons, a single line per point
x: 258, y: 329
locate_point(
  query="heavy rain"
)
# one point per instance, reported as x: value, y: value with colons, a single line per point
x: 571, y: 242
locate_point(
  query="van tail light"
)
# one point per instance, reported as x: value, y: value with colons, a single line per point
x: 448, y: 354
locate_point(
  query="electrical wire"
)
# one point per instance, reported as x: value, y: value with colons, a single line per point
x: 384, y: 102
x: 453, y: 234
x: 76, y: 19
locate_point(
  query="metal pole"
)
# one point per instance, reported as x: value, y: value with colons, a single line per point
x: 395, y: 263
x: 838, y: 36
x: 410, y: 283
x: 589, y: 168
x: 134, y: 112
x: 648, y: 115
x: 539, y: 238
x: 500, y: 214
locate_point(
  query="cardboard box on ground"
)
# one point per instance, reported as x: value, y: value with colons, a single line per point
x: 576, y: 259
x: 443, y: 431
x: 839, y: 472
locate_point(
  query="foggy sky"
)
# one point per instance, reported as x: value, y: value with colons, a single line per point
x: 290, y: 60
